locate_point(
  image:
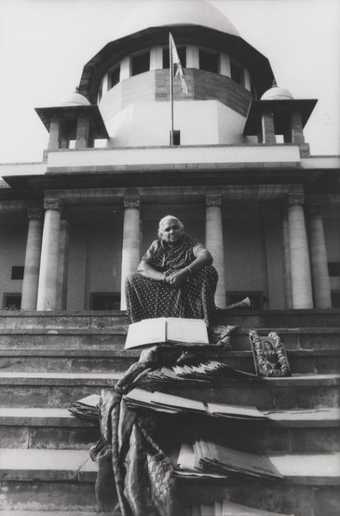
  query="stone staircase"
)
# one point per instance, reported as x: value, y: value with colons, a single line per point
x: 48, y: 360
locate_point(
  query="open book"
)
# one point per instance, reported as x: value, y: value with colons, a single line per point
x: 163, y: 402
x: 163, y: 330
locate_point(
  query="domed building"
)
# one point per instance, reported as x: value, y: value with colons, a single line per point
x: 222, y: 147
x: 237, y: 160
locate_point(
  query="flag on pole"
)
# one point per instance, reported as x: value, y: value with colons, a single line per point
x: 175, y: 62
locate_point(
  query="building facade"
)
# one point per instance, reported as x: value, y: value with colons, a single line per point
x: 241, y: 176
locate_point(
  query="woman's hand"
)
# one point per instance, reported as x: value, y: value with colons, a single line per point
x: 176, y: 278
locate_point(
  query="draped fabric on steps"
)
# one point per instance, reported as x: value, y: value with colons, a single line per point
x: 141, y: 473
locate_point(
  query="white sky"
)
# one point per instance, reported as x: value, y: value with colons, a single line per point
x: 44, y: 45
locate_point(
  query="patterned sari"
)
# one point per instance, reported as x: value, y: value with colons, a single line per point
x: 148, y: 298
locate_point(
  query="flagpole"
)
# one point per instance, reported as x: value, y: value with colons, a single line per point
x: 171, y: 71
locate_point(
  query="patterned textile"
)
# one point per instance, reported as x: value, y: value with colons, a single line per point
x: 147, y: 298
x: 142, y: 477
x: 170, y: 258
x: 269, y: 354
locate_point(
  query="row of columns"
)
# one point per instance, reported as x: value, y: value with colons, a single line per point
x: 293, y: 134
x: 59, y: 133
x: 45, y: 272
x: 305, y: 262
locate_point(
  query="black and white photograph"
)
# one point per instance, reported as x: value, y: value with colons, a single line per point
x: 170, y: 258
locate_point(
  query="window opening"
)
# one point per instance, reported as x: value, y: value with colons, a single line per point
x: 237, y: 72
x: 12, y: 301
x: 335, y: 295
x: 105, y: 301
x: 182, y: 54
x: 334, y: 269
x: 113, y: 77
x: 209, y: 61
x: 17, y: 272
x: 140, y: 63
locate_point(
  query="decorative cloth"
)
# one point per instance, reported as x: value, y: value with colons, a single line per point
x: 269, y: 354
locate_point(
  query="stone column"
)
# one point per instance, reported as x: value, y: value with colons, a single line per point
x: 131, y: 243
x: 247, y: 80
x: 225, y: 65
x: 83, y: 132
x: 47, y: 289
x: 214, y: 243
x: 156, y: 58
x: 125, y: 71
x: 193, y: 58
x: 63, y: 265
x: 302, y: 296
x: 296, y: 126
x: 32, y: 260
x: 268, y: 129
x: 54, y: 134
x: 286, y: 262
x: 321, y: 281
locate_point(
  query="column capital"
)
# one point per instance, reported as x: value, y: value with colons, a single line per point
x: 51, y: 203
x: 34, y: 213
x: 131, y: 202
x: 212, y: 199
x: 296, y: 198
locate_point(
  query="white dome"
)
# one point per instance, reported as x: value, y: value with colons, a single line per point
x: 277, y: 93
x: 176, y: 12
x: 76, y: 100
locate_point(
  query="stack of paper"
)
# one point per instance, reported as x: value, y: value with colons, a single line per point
x: 221, y: 459
x: 226, y: 508
x: 187, y: 466
x: 163, y: 402
x: 86, y: 408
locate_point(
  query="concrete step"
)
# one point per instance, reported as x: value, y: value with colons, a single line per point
x: 45, y: 480
x: 45, y: 428
x: 54, y: 513
x: 295, y: 338
x: 39, y: 389
x: 17, y: 319
x: 99, y: 358
x: 279, y: 318
x: 106, y: 319
x: 22, y: 338
x: 225, y: 508
x: 293, y: 431
x: 284, y: 497
x: 113, y: 337
x: 55, y: 479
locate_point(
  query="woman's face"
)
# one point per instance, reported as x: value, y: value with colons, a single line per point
x: 171, y: 231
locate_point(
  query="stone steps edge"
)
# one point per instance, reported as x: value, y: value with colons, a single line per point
x: 90, y: 352
x: 121, y: 329
x: 76, y: 466
x: 45, y: 416
x: 109, y: 380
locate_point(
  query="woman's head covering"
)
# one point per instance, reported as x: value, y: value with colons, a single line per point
x: 167, y: 219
